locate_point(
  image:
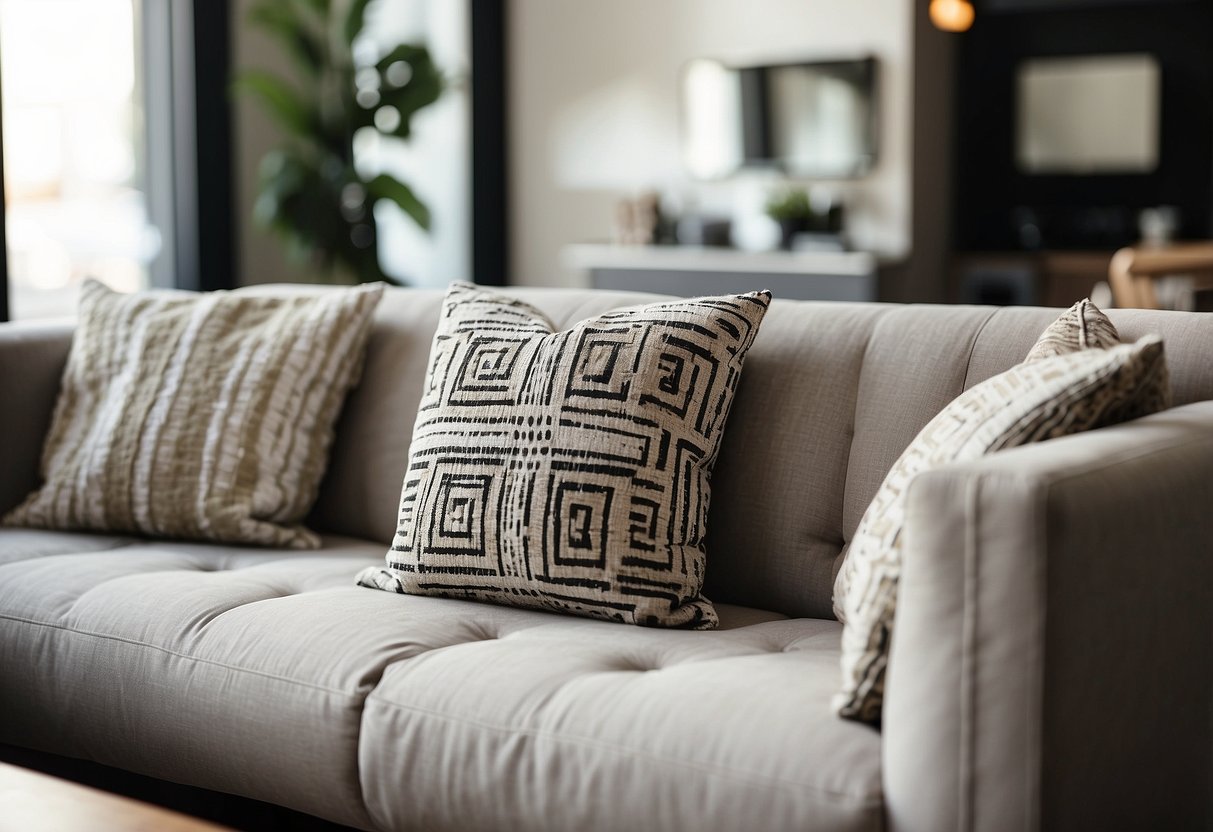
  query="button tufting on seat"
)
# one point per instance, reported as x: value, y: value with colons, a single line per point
x: 478, y: 634
x: 626, y: 664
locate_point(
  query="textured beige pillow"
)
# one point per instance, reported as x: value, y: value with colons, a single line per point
x: 205, y: 416
x: 568, y: 471
x: 1082, y: 326
x: 1034, y: 401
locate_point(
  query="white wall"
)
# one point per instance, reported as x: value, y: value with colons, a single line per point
x: 594, y: 109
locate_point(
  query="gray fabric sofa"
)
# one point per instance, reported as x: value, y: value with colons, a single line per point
x: 1051, y: 665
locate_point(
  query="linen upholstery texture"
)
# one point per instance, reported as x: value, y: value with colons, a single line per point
x: 1054, y: 619
x: 199, y: 416
x: 1034, y: 401
x: 831, y: 395
x: 32, y: 355
x: 965, y: 718
x: 1083, y: 326
x: 234, y: 669
x: 155, y: 641
x: 568, y: 470
x: 579, y: 724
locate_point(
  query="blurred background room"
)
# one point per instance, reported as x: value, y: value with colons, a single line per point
x: 993, y: 151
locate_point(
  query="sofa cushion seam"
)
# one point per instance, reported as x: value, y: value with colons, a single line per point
x: 709, y: 769
x: 1129, y: 456
x: 1060, y: 477
x: 180, y: 655
x: 968, y: 671
x: 846, y: 478
x: 122, y: 543
x: 964, y: 384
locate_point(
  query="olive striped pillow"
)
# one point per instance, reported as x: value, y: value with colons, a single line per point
x: 203, y: 416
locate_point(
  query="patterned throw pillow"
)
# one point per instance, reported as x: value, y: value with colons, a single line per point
x: 205, y: 416
x: 568, y: 471
x: 1082, y: 326
x: 1031, y: 402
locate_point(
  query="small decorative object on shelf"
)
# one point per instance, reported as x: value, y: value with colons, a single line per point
x: 311, y: 192
x: 704, y: 230
x: 640, y: 221
x: 802, y: 226
x: 793, y: 211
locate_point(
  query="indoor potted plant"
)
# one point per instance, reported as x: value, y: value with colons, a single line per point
x: 793, y: 211
x: 311, y: 193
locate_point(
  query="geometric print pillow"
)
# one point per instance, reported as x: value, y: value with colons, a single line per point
x: 569, y: 470
x: 1031, y: 402
x: 204, y: 416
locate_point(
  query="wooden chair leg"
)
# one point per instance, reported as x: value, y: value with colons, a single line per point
x: 1147, y: 295
x: 1124, y: 291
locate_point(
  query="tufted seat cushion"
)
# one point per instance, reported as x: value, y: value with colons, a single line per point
x: 224, y: 667
x: 268, y: 674
x: 585, y: 725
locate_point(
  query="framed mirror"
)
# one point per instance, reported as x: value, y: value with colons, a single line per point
x: 808, y: 120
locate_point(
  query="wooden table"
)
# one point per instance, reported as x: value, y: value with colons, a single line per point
x: 1133, y: 270
x: 34, y: 802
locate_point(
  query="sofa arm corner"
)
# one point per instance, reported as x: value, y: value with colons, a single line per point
x: 1052, y: 659
x: 32, y: 357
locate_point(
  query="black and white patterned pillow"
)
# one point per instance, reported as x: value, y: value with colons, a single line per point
x: 568, y: 471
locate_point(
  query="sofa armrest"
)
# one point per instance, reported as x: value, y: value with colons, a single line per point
x: 32, y: 357
x: 1052, y: 660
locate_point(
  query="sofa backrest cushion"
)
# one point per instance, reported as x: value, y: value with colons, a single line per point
x: 831, y: 395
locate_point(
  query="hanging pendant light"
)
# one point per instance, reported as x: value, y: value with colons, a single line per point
x: 952, y: 15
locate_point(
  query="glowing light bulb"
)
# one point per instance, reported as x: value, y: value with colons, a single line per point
x: 952, y: 15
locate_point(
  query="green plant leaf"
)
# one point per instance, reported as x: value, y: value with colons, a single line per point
x: 300, y: 43
x: 305, y: 196
x: 790, y: 204
x: 300, y: 200
x: 355, y: 19
x: 384, y: 186
x: 424, y: 85
x: 320, y: 7
x: 282, y: 102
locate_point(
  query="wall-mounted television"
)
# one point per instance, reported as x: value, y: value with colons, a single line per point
x: 1088, y: 114
x: 812, y: 119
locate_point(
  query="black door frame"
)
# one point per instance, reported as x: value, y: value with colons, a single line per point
x: 490, y: 160
x: 213, y: 143
x: 4, y: 313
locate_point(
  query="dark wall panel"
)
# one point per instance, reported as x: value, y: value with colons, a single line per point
x: 1098, y: 211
